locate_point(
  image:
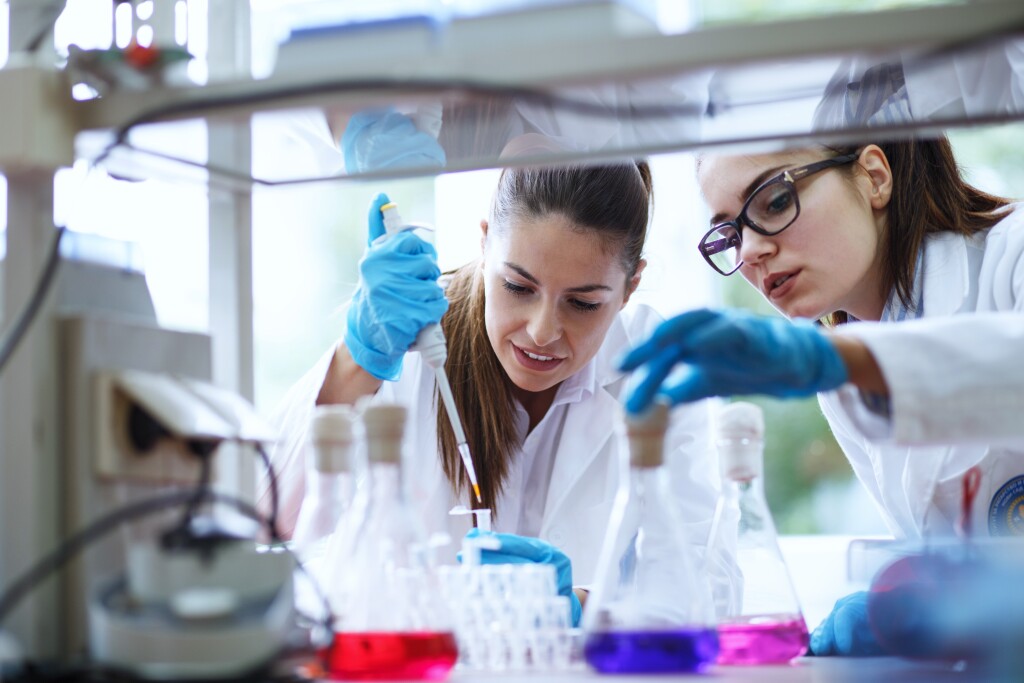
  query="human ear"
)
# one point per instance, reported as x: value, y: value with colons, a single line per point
x: 483, y: 235
x: 876, y: 165
x: 634, y: 282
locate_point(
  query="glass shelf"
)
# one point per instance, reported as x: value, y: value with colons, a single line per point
x: 453, y: 103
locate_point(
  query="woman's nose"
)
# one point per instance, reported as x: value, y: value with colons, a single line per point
x: 544, y: 326
x: 755, y: 247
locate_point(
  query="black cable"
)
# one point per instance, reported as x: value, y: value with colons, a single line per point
x: 274, y: 500
x: 17, y: 331
x: 57, y: 558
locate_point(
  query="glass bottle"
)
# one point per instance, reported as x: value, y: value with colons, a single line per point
x: 650, y: 610
x: 330, y: 475
x: 768, y: 626
x: 390, y: 620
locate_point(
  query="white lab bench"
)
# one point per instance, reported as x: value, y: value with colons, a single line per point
x: 801, y: 670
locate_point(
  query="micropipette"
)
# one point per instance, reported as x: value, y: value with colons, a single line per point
x: 482, y: 516
x: 430, y: 342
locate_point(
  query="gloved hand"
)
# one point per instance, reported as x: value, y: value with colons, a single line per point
x: 523, y: 549
x: 731, y: 352
x: 397, y: 296
x: 379, y: 139
x: 846, y: 631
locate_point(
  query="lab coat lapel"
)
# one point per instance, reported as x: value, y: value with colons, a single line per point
x: 588, y: 426
x: 946, y: 275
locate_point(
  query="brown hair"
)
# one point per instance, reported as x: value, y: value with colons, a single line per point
x: 613, y: 201
x: 929, y: 195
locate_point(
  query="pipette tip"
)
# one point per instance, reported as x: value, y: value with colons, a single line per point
x: 476, y: 492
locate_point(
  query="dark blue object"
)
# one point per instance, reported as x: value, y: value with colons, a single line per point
x: 675, y: 651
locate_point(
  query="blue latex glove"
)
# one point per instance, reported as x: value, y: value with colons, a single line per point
x: 379, y: 139
x: 523, y: 549
x: 397, y: 296
x: 730, y: 352
x: 846, y: 631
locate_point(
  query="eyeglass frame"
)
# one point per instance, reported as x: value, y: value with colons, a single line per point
x: 789, y: 177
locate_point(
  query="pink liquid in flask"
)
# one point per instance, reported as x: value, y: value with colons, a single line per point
x: 767, y: 639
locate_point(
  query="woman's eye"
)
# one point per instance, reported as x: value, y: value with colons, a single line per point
x: 780, y: 202
x: 514, y: 289
x: 584, y: 305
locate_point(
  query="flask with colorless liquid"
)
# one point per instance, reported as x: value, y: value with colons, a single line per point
x: 330, y: 475
x: 391, y: 622
x: 650, y: 611
x: 768, y: 626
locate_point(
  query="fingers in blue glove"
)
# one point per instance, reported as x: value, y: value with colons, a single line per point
x: 379, y: 139
x: 668, y: 335
x: 375, y: 219
x: 846, y: 631
x: 732, y: 352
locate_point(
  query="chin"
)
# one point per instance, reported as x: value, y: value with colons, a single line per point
x: 803, y: 311
x: 534, y: 384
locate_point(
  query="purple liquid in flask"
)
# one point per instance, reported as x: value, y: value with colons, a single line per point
x: 677, y: 651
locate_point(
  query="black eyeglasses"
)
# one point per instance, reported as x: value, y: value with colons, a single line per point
x: 770, y: 209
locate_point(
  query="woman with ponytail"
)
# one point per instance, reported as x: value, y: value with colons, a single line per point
x: 534, y: 329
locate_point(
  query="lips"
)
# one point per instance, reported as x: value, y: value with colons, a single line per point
x: 536, y: 361
x: 777, y: 285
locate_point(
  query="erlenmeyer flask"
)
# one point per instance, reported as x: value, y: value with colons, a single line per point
x: 650, y: 610
x: 390, y: 621
x: 330, y: 480
x: 768, y: 626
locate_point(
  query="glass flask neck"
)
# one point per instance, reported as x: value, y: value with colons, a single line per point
x: 385, y: 481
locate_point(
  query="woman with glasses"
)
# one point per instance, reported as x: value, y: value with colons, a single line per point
x: 927, y: 384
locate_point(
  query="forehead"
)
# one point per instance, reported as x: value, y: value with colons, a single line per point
x: 731, y: 173
x: 552, y: 246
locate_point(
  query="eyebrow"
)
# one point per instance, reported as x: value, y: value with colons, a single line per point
x: 749, y: 189
x: 583, y: 289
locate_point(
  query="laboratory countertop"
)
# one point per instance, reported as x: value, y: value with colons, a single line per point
x: 802, y: 670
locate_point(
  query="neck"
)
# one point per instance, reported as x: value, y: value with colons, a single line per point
x: 536, y: 403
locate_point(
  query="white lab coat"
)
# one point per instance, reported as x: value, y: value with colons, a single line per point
x: 956, y: 381
x: 586, y: 471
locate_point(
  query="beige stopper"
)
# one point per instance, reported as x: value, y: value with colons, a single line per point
x: 332, y: 438
x: 739, y: 436
x: 646, y: 435
x: 384, y: 426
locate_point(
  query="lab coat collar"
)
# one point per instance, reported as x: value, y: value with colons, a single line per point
x: 578, y: 387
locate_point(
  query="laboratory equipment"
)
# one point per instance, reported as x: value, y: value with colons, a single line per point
x: 650, y: 610
x: 390, y: 622
x: 330, y: 479
x: 768, y: 626
x: 508, y: 617
x: 943, y: 599
x: 213, y: 607
x: 432, y: 346
x: 198, y: 599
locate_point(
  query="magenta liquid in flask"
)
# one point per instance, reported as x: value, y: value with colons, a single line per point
x: 767, y: 626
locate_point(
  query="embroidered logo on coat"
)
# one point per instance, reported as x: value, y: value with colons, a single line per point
x: 1006, y: 512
